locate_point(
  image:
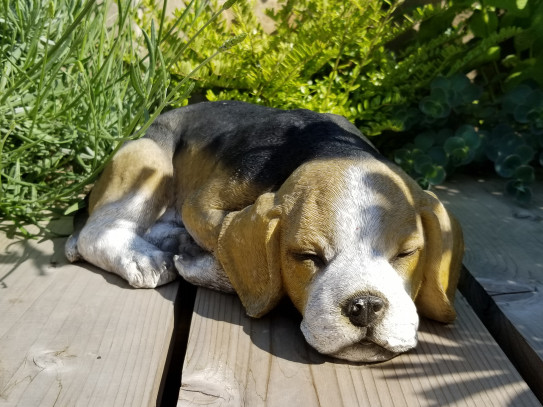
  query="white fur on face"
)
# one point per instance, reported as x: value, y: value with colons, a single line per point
x: 360, y: 267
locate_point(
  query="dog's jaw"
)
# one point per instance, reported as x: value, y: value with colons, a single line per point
x: 366, y: 352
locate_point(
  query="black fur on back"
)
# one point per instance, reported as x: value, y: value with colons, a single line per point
x: 260, y: 144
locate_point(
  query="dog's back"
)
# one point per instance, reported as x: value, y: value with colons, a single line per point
x: 257, y: 144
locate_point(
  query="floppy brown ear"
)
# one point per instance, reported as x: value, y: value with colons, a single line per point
x: 444, y: 248
x: 248, y: 250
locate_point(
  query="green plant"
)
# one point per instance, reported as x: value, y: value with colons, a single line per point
x: 355, y: 58
x: 439, y: 144
x: 496, y: 115
x: 516, y: 61
x: 74, y: 85
x: 516, y: 145
x: 455, y: 126
x: 326, y: 56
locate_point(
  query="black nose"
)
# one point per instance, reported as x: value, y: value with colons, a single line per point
x: 365, y: 309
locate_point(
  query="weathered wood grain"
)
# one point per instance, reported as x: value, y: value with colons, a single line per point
x: 71, y: 335
x: 233, y: 360
x: 504, y: 254
x: 504, y: 242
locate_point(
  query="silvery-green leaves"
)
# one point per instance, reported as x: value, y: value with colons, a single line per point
x: 76, y: 81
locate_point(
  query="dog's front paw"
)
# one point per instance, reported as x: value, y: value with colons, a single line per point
x: 150, y: 271
x: 203, y: 270
x: 188, y: 248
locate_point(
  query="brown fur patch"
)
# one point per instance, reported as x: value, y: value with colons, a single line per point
x: 139, y: 167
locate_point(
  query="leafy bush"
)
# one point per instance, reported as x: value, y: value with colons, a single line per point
x: 75, y: 84
x: 496, y: 116
x: 326, y: 56
x: 452, y: 131
x: 355, y: 58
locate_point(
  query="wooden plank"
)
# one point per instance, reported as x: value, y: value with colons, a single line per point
x: 73, y: 335
x: 235, y: 360
x: 504, y: 254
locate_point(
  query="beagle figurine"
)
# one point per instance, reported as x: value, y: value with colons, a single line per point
x: 266, y: 202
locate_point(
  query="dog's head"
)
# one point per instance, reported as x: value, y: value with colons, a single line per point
x: 358, y: 247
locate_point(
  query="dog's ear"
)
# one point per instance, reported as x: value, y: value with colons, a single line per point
x: 248, y: 250
x: 444, y: 248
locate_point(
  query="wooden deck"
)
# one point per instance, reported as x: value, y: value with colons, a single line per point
x: 73, y: 335
x: 234, y: 360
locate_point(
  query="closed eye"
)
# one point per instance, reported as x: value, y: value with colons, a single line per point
x: 310, y: 256
x: 407, y: 253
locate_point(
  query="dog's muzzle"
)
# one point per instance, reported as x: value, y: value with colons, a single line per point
x: 376, y: 322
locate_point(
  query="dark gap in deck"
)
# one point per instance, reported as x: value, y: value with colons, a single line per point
x: 171, y: 379
x: 520, y: 353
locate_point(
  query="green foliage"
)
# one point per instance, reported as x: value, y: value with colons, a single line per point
x: 455, y: 127
x: 496, y: 115
x: 75, y: 84
x: 326, y: 56
x: 360, y: 59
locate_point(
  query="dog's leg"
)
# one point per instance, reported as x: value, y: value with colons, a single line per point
x: 112, y: 239
x: 132, y: 193
x: 196, y: 262
x: 193, y: 263
x: 168, y: 232
x: 199, y: 266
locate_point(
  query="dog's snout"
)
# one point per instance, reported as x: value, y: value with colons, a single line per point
x: 364, y: 310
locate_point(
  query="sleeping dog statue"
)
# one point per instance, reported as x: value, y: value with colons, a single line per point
x: 265, y: 203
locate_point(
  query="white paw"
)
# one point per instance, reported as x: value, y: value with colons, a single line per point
x: 203, y: 270
x: 150, y: 271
